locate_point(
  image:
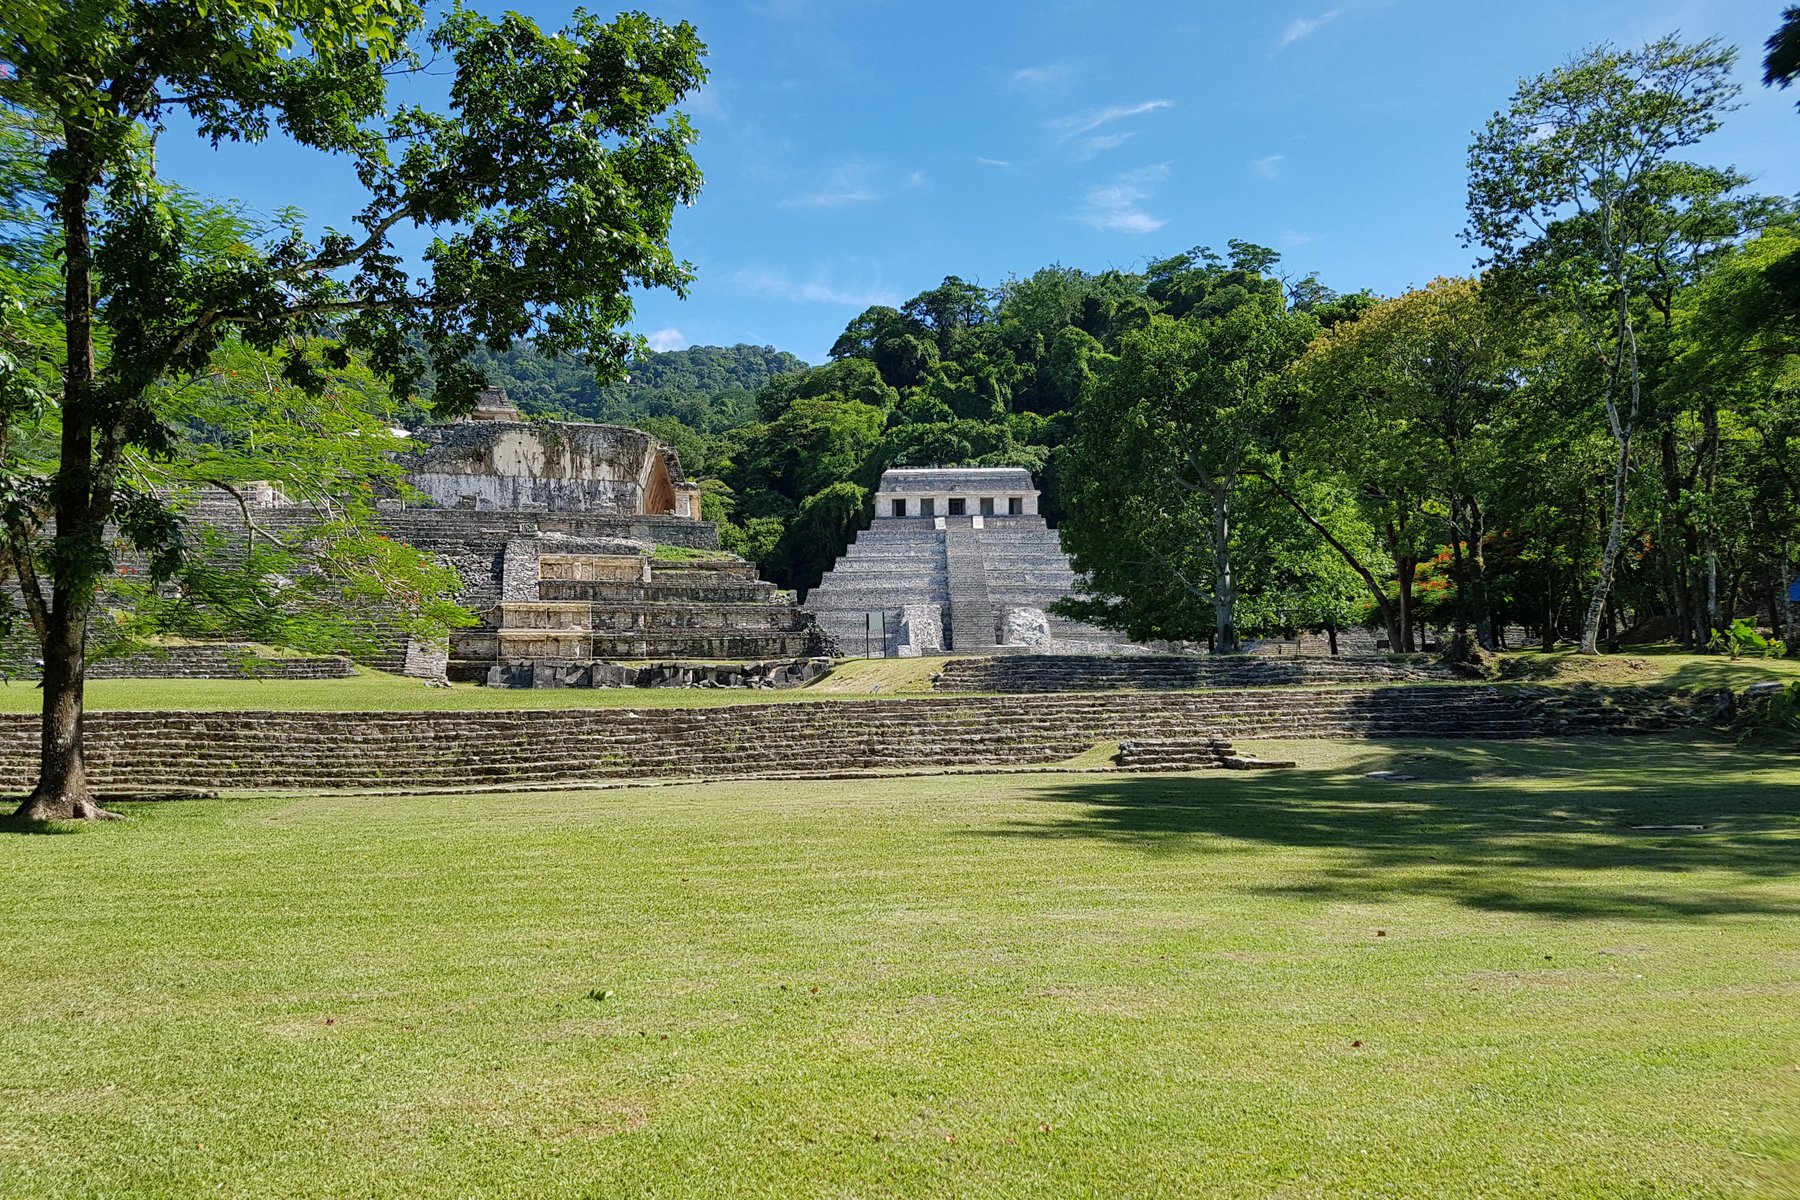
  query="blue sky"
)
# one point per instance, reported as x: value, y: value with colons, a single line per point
x: 857, y: 151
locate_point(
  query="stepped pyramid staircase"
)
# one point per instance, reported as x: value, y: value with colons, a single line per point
x: 971, y: 569
x: 971, y: 610
x: 588, y: 608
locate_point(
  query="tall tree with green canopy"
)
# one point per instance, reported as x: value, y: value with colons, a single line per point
x: 1171, y: 429
x: 547, y: 187
x: 1576, y: 196
x: 1403, y: 400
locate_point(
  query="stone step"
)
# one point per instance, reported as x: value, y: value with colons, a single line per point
x: 323, y: 750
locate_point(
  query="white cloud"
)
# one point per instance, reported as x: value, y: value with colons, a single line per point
x: 1117, y: 205
x: 848, y: 184
x: 1305, y: 27
x: 666, y: 339
x: 1048, y: 76
x: 1087, y: 148
x: 1268, y: 168
x: 704, y: 105
x: 995, y: 162
x: 852, y: 183
x: 1294, y: 238
x: 778, y: 285
x: 1076, y: 124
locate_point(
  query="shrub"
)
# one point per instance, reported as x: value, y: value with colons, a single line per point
x: 1742, y: 638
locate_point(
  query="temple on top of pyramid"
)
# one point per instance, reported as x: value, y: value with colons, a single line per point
x: 956, y: 560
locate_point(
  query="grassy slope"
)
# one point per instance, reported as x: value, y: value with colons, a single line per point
x: 1008, y: 986
x: 1649, y: 665
x: 376, y: 692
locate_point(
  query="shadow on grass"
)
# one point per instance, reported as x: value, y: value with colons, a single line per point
x: 1545, y: 828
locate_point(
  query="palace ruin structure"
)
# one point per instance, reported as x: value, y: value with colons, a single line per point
x: 955, y: 560
x: 579, y: 546
x: 494, y: 460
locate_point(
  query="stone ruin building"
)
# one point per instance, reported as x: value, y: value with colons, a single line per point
x: 580, y: 547
x: 955, y: 560
x: 494, y: 460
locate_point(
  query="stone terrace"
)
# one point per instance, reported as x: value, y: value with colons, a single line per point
x: 128, y: 751
x: 1088, y: 673
x: 563, y: 608
x: 219, y: 660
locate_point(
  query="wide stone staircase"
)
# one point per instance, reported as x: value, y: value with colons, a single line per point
x: 971, y: 609
x: 590, y: 608
x: 144, y: 751
x: 975, y: 573
x: 896, y: 563
x: 1015, y: 673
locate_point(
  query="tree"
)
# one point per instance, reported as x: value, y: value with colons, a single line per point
x: 1172, y: 428
x: 548, y: 188
x: 1740, y: 339
x: 1403, y: 401
x: 1575, y: 195
x: 1781, y: 63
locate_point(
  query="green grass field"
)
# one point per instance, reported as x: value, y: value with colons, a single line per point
x: 1485, y: 983
x: 373, y: 691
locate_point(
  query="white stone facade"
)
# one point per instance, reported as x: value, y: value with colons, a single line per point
x: 928, y: 492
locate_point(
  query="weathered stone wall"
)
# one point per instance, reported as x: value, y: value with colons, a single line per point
x: 1018, y: 673
x: 218, y: 660
x: 472, y: 750
x: 554, y: 466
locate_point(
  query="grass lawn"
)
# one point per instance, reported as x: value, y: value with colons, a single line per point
x: 1483, y: 983
x: 373, y: 691
x: 1666, y: 665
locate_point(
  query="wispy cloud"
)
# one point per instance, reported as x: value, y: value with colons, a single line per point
x: 852, y: 183
x: 774, y: 284
x: 1088, y: 147
x: 1268, y: 168
x: 1117, y: 204
x: 1000, y: 163
x: 666, y: 339
x: 704, y: 105
x: 1305, y: 27
x: 1050, y: 75
x: 1077, y: 124
x: 1295, y: 238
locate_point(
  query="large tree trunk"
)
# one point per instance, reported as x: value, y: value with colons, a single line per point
x: 82, y: 500
x: 1459, y: 573
x: 1609, y: 557
x: 1406, y: 567
x: 62, y: 791
x: 1678, y: 548
x: 1224, y: 587
x: 1478, y: 589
